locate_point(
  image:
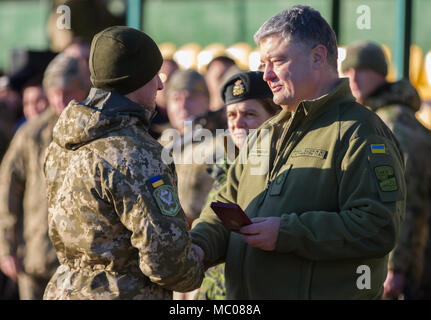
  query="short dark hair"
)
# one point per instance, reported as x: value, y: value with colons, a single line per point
x: 223, y: 59
x: 303, y: 24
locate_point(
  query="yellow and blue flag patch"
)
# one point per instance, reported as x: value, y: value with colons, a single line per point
x: 156, y: 181
x: 378, y: 148
x: 165, y: 196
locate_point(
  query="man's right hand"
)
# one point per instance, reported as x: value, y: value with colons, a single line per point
x: 199, y: 251
x: 394, y: 285
x: 10, y: 266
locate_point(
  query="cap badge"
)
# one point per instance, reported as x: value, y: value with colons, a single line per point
x: 238, y: 88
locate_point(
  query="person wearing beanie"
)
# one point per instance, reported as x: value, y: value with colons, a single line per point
x: 115, y: 220
x: 187, y: 97
x: 26, y: 252
x: 248, y: 101
x: 396, y: 104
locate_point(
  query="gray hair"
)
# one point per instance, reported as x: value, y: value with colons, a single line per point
x: 65, y: 71
x: 302, y: 24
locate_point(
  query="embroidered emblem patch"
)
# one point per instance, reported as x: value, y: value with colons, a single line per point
x: 387, y: 180
x: 167, y: 200
x: 238, y: 88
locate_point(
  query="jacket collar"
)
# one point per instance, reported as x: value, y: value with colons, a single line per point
x: 341, y: 93
x: 112, y: 104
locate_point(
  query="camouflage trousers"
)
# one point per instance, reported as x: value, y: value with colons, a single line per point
x: 213, y: 285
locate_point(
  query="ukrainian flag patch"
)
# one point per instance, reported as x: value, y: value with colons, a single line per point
x: 156, y: 181
x: 378, y: 148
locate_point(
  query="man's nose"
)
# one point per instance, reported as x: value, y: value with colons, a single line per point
x: 239, y: 122
x: 269, y: 74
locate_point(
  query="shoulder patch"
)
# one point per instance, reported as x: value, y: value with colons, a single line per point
x: 167, y: 200
x: 386, y: 178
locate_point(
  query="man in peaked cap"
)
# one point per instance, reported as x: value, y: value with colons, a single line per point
x: 396, y: 104
x: 114, y: 215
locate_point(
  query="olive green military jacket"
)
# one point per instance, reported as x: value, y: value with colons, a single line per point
x: 334, y: 174
x: 114, y: 216
x: 396, y: 104
x: 23, y: 205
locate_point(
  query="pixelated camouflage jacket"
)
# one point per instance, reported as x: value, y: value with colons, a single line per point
x: 396, y: 104
x: 117, y: 235
x: 23, y: 205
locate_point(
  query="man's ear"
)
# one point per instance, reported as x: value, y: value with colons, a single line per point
x: 319, y: 56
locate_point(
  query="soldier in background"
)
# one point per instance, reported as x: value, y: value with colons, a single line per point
x: 214, y: 73
x: 114, y: 216
x: 34, y: 99
x: 188, y: 99
x: 396, y: 104
x: 26, y: 254
x: 161, y: 120
x: 248, y: 101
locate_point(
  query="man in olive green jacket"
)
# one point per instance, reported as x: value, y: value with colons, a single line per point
x: 323, y: 182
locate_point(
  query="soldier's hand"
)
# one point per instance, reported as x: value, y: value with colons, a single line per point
x: 262, y: 233
x: 200, y: 252
x: 394, y: 285
x: 10, y: 266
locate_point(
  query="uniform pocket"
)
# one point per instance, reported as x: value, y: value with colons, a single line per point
x: 278, y: 183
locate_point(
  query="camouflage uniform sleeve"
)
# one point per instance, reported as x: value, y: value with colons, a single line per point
x: 408, y: 255
x: 12, y: 177
x: 159, y: 230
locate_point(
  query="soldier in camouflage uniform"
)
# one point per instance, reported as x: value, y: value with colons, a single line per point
x: 396, y: 104
x: 248, y: 102
x: 114, y: 216
x: 188, y: 100
x: 25, y: 250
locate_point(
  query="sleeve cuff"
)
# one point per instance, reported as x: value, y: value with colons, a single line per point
x: 285, y: 242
